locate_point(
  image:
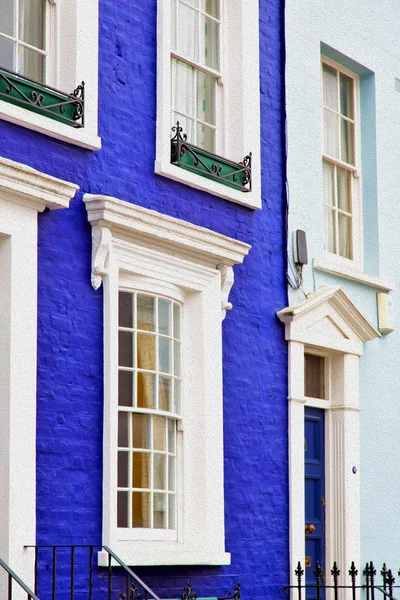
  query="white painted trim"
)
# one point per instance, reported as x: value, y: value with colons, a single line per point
x: 23, y: 193
x: 77, y: 57
x: 135, y: 248
x: 240, y: 130
x: 329, y: 264
x: 342, y: 440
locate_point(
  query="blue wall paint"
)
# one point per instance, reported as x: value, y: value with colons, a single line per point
x: 70, y: 387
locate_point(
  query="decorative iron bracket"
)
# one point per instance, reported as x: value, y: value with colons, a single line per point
x: 204, y: 163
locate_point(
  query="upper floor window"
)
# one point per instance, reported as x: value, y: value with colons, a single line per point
x: 341, y: 182
x: 23, y: 38
x: 195, y: 69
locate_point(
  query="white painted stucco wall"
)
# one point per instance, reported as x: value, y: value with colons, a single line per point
x: 367, y: 32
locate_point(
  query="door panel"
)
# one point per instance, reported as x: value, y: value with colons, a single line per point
x: 314, y: 452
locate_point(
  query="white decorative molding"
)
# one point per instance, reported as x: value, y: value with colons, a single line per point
x: 23, y: 184
x: 101, y: 242
x: 227, y: 281
x: 329, y: 264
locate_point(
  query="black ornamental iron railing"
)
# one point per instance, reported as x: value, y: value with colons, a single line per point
x: 14, y: 582
x: 43, y: 99
x: 209, y: 165
x: 367, y: 584
x: 73, y: 572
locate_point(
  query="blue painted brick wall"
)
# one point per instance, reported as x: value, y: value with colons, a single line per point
x: 69, y: 424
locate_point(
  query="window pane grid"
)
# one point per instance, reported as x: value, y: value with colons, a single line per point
x: 147, y: 427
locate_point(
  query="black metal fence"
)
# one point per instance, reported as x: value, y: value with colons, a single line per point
x: 368, y: 584
x: 12, y: 583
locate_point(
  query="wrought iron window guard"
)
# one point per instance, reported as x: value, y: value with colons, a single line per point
x: 317, y: 589
x: 209, y: 165
x: 43, y: 99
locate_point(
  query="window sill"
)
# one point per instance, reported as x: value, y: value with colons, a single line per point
x: 85, y: 137
x: 330, y: 265
x: 160, y: 554
x: 250, y: 199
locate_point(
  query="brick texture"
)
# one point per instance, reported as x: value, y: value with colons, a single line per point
x: 70, y: 373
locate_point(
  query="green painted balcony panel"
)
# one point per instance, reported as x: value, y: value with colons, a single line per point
x: 209, y: 165
x: 42, y: 99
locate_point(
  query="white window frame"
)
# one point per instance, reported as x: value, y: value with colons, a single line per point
x: 238, y: 110
x: 24, y: 192
x: 72, y: 42
x: 357, y: 261
x: 327, y: 324
x: 144, y: 250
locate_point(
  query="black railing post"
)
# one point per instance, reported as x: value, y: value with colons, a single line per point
x: 72, y: 572
x: 54, y: 572
x: 90, y: 572
x: 372, y: 573
x: 367, y: 581
x: 353, y: 572
x: 109, y: 577
x: 36, y: 569
x: 9, y: 587
x: 299, y: 572
x: 128, y: 584
x: 384, y: 576
x: 391, y: 581
x: 335, y: 572
x: 318, y: 574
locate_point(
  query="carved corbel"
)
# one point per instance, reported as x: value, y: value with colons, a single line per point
x: 227, y: 279
x: 101, y: 242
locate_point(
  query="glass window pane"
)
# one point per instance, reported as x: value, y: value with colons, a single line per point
x: 31, y: 22
x: 160, y: 511
x: 188, y: 32
x: 146, y: 314
x: 206, y: 98
x: 146, y: 351
x: 123, y: 431
x: 7, y: 54
x: 171, y: 473
x: 177, y: 359
x: 165, y: 393
x: 164, y: 317
x: 140, y: 431
x: 331, y: 133
x: 314, y: 376
x: 345, y: 243
x: 146, y: 390
x: 343, y: 189
x: 141, y: 509
x: 346, y: 96
x: 347, y: 141
x: 183, y: 90
x: 211, y: 43
x: 123, y: 459
x: 177, y: 396
x: 177, y: 321
x: 330, y: 230
x: 7, y: 11
x: 211, y: 7
x: 164, y: 355
x: 171, y: 512
x: 330, y: 93
x: 125, y: 349
x: 328, y: 180
x: 171, y: 435
x: 188, y: 126
x: 125, y: 312
x: 140, y: 470
x: 160, y: 471
x: 205, y: 137
x: 125, y: 388
x: 159, y: 433
x: 31, y: 64
x: 122, y: 509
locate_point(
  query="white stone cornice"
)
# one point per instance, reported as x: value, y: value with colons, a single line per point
x: 127, y: 224
x: 25, y: 185
x: 175, y: 236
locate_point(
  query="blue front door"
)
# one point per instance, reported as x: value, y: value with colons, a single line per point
x: 314, y: 448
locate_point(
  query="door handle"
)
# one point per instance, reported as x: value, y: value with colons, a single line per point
x: 309, y: 528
